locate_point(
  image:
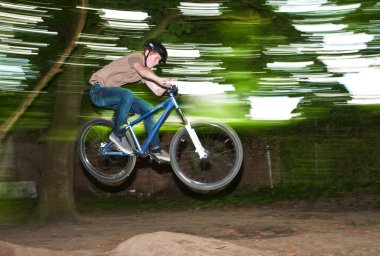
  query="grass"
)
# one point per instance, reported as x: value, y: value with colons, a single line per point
x: 22, y: 210
x: 238, y: 198
x: 16, y: 211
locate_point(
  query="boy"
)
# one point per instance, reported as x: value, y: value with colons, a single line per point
x: 106, y: 91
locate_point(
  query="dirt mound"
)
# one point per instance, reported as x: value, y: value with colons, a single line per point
x: 8, y: 249
x: 176, y: 244
x: 150, y: 244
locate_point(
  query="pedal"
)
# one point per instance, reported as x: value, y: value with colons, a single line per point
x: 153, y: 157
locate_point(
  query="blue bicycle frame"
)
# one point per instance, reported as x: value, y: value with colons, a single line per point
x: 168, y: 105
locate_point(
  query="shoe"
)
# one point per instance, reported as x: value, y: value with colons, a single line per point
x: 122, y: 143
x: 160, y: 154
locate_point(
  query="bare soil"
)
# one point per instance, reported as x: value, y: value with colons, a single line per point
x: 286, y: 228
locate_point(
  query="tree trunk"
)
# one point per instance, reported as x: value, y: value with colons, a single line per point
x: 56, y: 196
x: 55, y: 187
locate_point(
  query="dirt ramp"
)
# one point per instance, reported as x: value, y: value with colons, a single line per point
x: 177, y: 244
x: 149, y: 244
x: 10, y: 249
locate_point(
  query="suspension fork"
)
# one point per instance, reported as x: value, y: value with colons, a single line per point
x: 193, y: 135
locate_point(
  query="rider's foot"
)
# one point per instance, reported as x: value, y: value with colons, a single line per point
x: 160, y: 154
x: 122, y: 143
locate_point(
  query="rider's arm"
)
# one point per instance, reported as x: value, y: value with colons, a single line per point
x: 156, y: 84
x: 157, y: 90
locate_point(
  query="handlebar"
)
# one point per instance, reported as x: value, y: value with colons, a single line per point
x: 173, y: 90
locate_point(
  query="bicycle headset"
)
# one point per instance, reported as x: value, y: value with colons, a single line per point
x: 154, y: 45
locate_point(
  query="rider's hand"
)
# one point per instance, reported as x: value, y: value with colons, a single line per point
x: 167, y: 82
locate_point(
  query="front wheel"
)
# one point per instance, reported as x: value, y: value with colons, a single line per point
x: 107, y: 169
x: 218, y: 169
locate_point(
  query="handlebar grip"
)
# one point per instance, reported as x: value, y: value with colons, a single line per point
x: 173, y: 89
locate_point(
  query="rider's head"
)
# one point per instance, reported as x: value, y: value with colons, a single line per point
x: 154, y: 53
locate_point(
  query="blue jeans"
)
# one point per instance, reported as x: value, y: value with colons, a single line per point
x: 123, y: 101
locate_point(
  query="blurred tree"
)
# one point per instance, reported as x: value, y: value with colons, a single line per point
x: 51, y: 72
x: 55, y: 188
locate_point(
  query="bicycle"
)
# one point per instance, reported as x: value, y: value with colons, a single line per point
x: 206, y: 157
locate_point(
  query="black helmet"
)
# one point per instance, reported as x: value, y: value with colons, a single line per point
x: 155, y: 45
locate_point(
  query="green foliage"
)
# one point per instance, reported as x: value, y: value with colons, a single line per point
x: 178, y: 29
x: 339, y: 148
x: 16, y: 211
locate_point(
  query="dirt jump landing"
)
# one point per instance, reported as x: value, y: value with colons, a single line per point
x: 177, y: 244
x: 150, y: 244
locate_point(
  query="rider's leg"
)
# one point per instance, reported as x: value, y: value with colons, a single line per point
x: 116, y: 98
x: 140, y: 106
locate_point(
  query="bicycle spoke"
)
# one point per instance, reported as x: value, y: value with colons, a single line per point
x: 106, y: 169
x: 224, y: 157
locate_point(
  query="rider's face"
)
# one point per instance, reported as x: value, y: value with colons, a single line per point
x: 153, y: 59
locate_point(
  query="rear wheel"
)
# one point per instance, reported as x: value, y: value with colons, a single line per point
x: 218, y: 169
x: 108, y: 170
